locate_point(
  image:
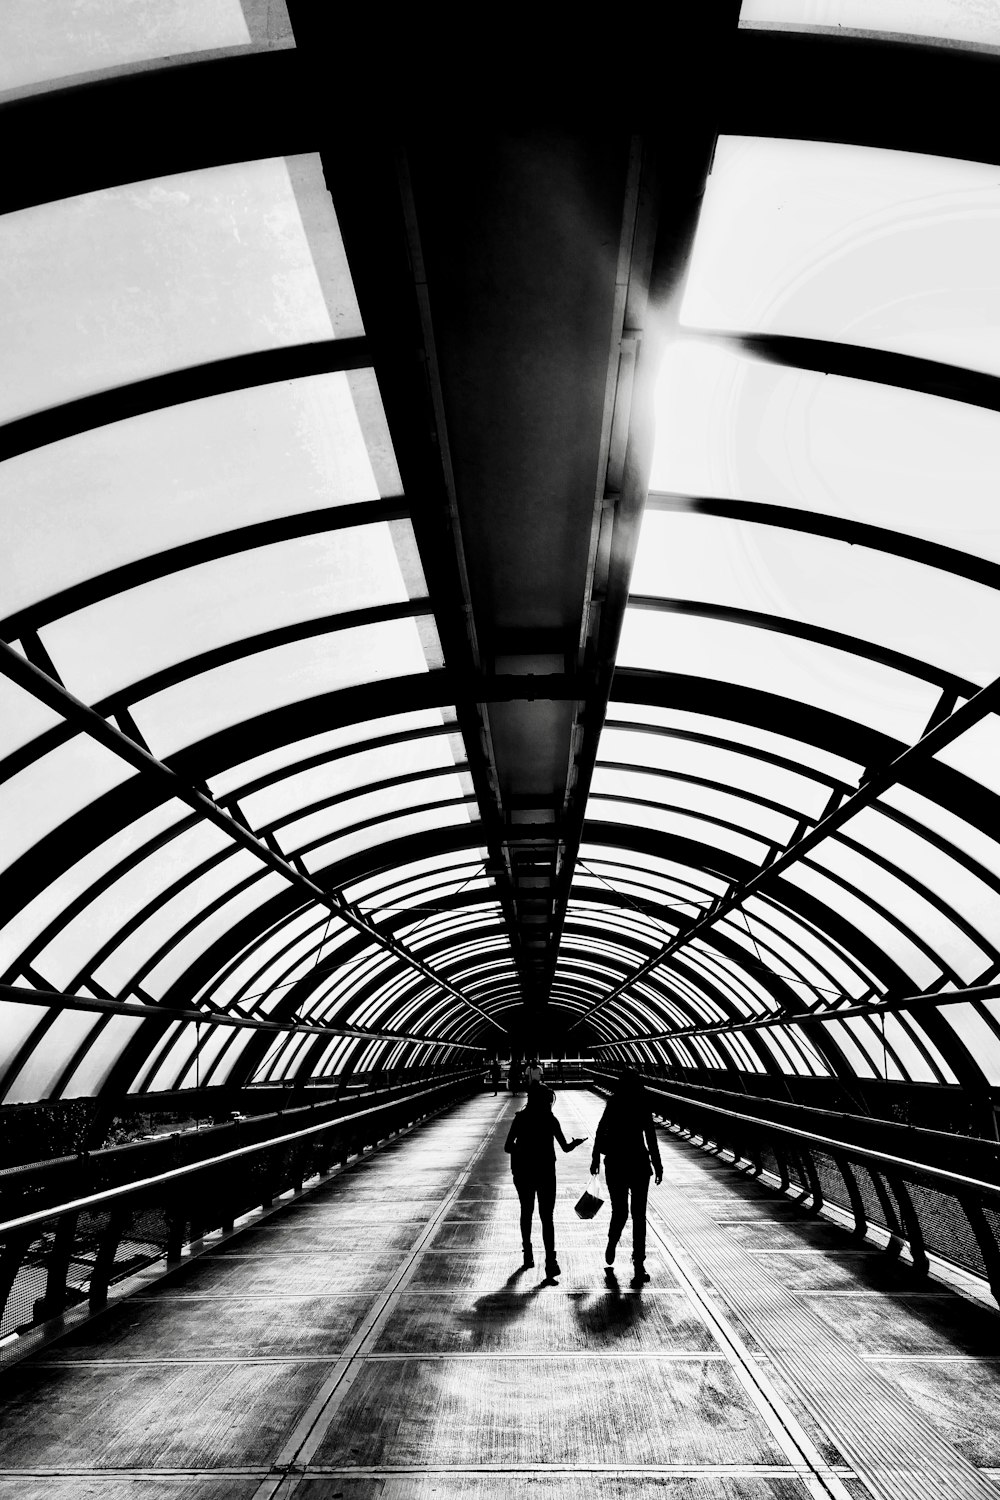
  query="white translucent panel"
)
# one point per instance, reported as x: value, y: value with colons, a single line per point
x: 446, y: 816
x: 121, y: 965
x: 808, y: 982
x: 809, y: 757
x: 175, y: 1060
x: 911, y: 1059
x: 132, y: 635
x: 214, y: 1038
x: 259, y: 955
x: 856, y: 1057
x: 976, y: 21
x: 758, y: 777
x: 678, y: 825
x: 963, y: 892
x: 437, y: 792
x: 367, y: 768
x: 61, y: 37
x: 48, y: 791
x: 955, y: 830
x: 270, y: 979
x: 331, y: 740
x: 856, y: 982
x: 823, y: 676
x: 920, y: 612
x: 28, y: 923
x: 17, y: 1022
x: 203, y: 467
x: 673, y: 897
x: 98, y: 1062
x: 735, y: 978
x: 406, y: 879
x: 76, y: 944
x: 979, y: 1037
x: 22, y: 717
x: 127, y: 282
x: 922, y: 919
x: 231, y: 1057
x: 735, y: 427
x: 888, y: 249
x: 158, y: 981
x: 287, y: 1064
x: 702, y: 801
x: 43, y: 1069
x: 708, y: 1054
x: 976, y: 753
x: 856, y: 912
x: 777, y: 1052
x: 936, y: 1056
x: 155, y: 1057
x: 267, y: 680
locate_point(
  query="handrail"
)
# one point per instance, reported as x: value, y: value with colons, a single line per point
x: 124, y: 1190
x: 950, y: 1181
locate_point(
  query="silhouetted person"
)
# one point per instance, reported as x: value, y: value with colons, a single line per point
x: 514, y: 1078
x: 531, y: 1142
x: 535, y: 1071
x: 496, y: 1075
x: 626, y: 1139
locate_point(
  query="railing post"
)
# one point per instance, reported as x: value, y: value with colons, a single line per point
x: 104, y: 1264
x: 54, y: 1300
x: 858, y: 1209
x: 911, y: 1226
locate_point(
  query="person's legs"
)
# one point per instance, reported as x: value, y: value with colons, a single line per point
x: 640, y: 1192
x: 526, y: 1192
x: 546, y: 1208
x: 618, y: 1193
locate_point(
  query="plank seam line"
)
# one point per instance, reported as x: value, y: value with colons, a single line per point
x: 315, y: 1422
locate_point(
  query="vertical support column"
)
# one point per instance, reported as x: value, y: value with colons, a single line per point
x: 858, y: 1209
x: 54, y: 1300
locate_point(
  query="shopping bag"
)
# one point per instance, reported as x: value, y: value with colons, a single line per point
x: 590, y: 1201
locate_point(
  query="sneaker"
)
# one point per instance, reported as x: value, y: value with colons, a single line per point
x: 529, y: 1256
x: 552, y: 1267
x: 640, y: 1276
x: 609, y: 1254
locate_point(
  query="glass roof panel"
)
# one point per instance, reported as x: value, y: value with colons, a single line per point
x: 267, y: 680
x: 703, y: 801
x: 224, y: 1068
x: 65, y: 37
x: 365, y: 769
x: 809, y: 758
x: 22, y: 717
x: 861, y: 691
x: 976, y: 753
x: 981, y: 1041
x: 448, y: 815
x: 920, y: 612
x: 216, y: 925
x: 845, y: 970
x: 818, y: 239
x: 946, y: 20
x: 203, y: 468
x: 101, y: 1057
x: 45, y: 1065
x: 436, y: 791
x: 361, y: 733
x: 107, y: 913
x: 132, y: 635
x: 48, y: 791
x: 856, y: 1057
x: 17, y: 1022
x: 728, y: 767
x: 680, y: 825
x: 856, y: 911
x: 913, y: 912
x: 957, y: 831
x: 738, y: 428
x: 127, y: 282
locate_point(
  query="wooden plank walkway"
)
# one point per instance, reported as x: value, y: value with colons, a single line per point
x: 378, y: 1338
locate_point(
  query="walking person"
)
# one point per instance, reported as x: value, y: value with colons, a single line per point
x: 531, y: 1142
x: 627, y: 1140
x: 535, y: 1071
x: 496, y: 1075
x: 514, y: 1076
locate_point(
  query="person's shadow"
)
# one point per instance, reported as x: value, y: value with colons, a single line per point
x: 609, y: 1316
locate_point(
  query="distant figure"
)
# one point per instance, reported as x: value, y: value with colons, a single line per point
x: 514, y: 1076
x: 531, y: 1142
x: 626, y: 1139
x: 534, y: 1071
x: 496, y: 1075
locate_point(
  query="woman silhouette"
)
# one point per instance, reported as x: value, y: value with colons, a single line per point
x: 627, y: 1140
x: 531, y: 1142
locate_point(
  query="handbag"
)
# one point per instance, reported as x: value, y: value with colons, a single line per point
x: 590, y: 1201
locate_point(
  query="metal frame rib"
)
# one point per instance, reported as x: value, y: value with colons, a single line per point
x: 86, y: 720
x: 937, y: 738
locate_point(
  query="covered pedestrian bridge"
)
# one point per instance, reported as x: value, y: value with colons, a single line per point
x: 500, y: 558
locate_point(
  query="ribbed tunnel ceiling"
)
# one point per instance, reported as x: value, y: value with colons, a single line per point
x: 531, y: 584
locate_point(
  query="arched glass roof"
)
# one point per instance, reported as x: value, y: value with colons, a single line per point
x: 250, y: 830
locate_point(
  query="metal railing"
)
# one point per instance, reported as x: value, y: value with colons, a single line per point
x: 70, y: 1228
x: 929, y: 1192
